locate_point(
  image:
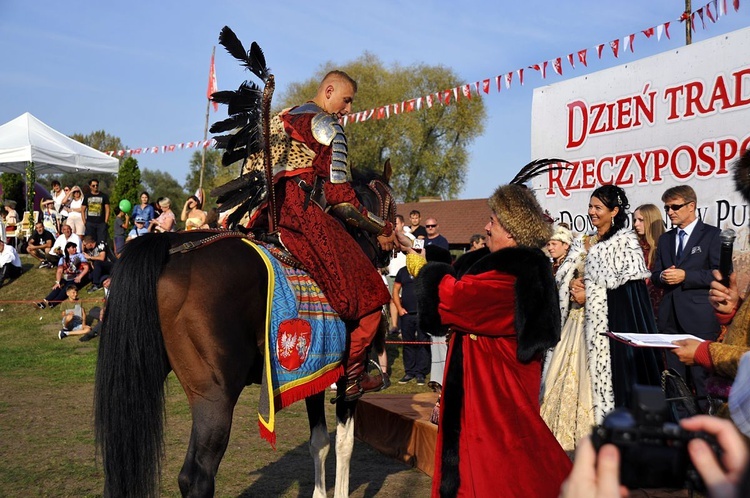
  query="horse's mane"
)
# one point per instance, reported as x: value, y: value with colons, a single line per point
x: 364, y: 176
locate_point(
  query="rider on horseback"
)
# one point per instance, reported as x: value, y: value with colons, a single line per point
x: 299, y: 157
x: 313, y: 185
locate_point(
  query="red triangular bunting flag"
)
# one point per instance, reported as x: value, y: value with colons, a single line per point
x: 736, y: 4
x: 557, y: 65
x: 649, y: 32
x: 486, y: 85
x: 381, y: 113
x: 476, y: 87
x: 709, y: 13
x: 582, y: 56
x: 410, y: 105
x: 615, y: 46
x: 700, y: 14
x: 692, y: 22
x: 520, y: 75
x: 456, y: 94
x: 428, y: 100
x: 599, y: 49
x: 666, y: 30
x: 631, y: 38
x: 447, y: 97
x: 508, y: 79
x: 570, y: 61
x: 466, y: 90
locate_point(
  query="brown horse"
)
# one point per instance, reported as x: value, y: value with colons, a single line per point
x: 200, y: 314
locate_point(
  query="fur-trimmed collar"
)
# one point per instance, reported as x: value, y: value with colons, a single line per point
x: 537, y: 317
x: 619, y: 259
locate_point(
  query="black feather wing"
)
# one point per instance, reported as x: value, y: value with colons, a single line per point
x: 536, y: 168
x: 229, y: 41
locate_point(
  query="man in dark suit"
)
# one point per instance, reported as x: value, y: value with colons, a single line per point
x: 685, y: 257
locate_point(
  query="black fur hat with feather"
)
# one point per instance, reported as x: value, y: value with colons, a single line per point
x: 518, y: 210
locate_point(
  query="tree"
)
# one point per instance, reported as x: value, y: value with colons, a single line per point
x: 12, y: 187
x: 427, y: 147
x: 128, y: 184
x: 160, y: 184
x: 214, y: 174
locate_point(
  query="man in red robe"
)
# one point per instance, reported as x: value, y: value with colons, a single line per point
x: 503, y: 313
x: 311, y: 182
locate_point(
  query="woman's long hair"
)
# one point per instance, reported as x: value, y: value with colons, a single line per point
x: 198, y: 203
x: 613, y: 197
x: 653, y: 228
x: 65, y: 251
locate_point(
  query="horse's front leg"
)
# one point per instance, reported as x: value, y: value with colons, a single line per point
x: 319, y: 440
x: 344, y: 445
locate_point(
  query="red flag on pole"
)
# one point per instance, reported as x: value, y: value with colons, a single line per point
x: 212, y: 86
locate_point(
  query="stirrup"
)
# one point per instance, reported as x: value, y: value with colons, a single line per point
x: 359, y: 392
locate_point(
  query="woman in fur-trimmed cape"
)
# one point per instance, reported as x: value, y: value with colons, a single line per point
x: 503, y: 313
x: 615, y: 296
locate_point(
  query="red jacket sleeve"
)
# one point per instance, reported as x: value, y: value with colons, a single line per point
x: 298, y: 126
x: 481, y: 304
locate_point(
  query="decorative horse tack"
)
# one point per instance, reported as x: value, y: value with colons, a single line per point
x: 217, y: 235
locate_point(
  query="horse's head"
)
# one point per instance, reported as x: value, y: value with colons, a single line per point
x: 374, y: 192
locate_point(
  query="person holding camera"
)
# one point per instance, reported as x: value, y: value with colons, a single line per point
x: 598, y: 475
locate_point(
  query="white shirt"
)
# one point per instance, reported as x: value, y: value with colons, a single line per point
x: 61, y: 241
x: 9, y: 255
x: 58, y: 198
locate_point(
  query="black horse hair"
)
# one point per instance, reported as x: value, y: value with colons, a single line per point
x: 130, y: 373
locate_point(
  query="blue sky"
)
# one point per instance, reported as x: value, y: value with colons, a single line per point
x: 139, y: 69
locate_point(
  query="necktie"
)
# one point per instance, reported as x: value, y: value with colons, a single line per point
x: 681, y: 245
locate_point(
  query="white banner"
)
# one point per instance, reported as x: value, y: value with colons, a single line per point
x: 681, y: 117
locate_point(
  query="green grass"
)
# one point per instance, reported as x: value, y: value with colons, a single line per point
x: 46, y: 429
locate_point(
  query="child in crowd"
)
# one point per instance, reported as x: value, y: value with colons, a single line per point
x: 122, y: 224
x: 72, y: 315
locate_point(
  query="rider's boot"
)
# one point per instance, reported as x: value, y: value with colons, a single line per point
x: 358, y: 380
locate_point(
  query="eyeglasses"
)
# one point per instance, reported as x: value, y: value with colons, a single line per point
x: 675, y: 207
x: 430, y: 226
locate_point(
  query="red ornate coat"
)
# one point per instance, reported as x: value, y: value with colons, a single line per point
x: 332, y: 257
x: 492, y: 440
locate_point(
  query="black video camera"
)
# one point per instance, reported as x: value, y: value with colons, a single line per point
x: 653, y: 451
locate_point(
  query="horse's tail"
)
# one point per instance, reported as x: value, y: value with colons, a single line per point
x: 130, y: 373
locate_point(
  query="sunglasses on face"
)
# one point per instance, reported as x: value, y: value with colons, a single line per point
x: 675, y: 207
x: 430, y: 226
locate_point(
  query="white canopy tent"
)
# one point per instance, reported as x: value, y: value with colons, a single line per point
x: 26, y: 139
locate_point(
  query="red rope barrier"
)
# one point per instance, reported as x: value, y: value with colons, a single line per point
x: 414, y: 342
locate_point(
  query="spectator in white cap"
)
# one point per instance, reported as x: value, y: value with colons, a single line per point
x: 139, y: 229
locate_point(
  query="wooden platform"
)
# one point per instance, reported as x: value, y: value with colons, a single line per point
x: 398, y: 425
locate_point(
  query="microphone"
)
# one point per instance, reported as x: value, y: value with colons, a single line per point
x: 725, y: 259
